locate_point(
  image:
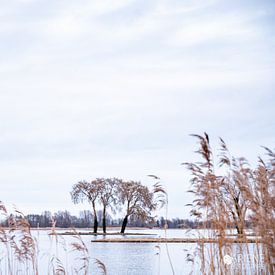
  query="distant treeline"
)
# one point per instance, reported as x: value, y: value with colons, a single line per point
x: 64, y: 219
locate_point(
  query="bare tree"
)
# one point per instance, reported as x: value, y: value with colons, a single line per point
x: 88, y: 191
x: 233, y: 185
x: 138, y: 200
x: 107, y: 192
x: 85, y: 217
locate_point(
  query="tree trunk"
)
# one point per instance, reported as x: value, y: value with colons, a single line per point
x: 124, y: 224
x: 104, y: 219
x: 239, y: 223
x: 241, y: 226
x: 95, y: 218
x: 95, y: 224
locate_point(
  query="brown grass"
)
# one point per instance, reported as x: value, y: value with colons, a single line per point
x: 228, y: 195
x: 21, y: 251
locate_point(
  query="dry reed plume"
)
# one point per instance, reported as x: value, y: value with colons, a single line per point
x: 20, y: 250
x: 230, y: 195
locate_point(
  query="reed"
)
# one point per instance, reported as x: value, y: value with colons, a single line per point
x: 21, y: 254
x: 228, y: 194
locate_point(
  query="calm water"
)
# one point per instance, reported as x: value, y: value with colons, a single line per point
x: 120, y: 258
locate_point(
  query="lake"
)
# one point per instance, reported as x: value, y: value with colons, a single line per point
x: 119, y: 258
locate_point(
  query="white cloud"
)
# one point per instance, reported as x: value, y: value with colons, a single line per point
x: 165, y: 7
x: 86, y: 91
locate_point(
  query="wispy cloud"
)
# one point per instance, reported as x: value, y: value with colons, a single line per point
x: 114, y: 88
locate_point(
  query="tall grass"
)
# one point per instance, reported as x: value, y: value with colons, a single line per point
x: 18, y: 246
x: 228, y: 194
x: 20, y: 252
x: 161, y: 200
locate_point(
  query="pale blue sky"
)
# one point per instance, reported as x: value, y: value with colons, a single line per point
x: 114, y: 88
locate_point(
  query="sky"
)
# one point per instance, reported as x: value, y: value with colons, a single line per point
x: 101, y: 88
